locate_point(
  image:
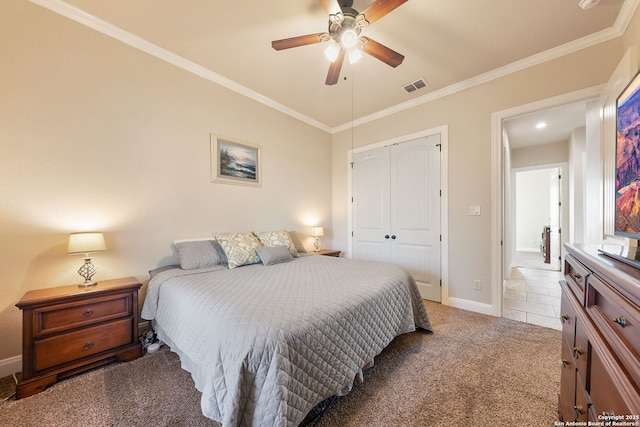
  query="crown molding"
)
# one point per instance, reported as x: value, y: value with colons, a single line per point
x: 78, y: 15
x: 620, y: 26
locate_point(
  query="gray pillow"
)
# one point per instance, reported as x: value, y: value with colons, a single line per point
x: 274, y: 254
x: 199, y: 254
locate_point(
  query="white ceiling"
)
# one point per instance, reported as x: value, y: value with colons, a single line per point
x: 560, y: 122
x: 449, y: 43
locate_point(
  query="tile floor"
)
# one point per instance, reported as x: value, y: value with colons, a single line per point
x: 532, y: 293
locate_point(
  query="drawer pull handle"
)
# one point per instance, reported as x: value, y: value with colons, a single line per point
x: 576, y: 276
x: 565, y: 318
x: 577, y: 352
x: 620, y: 321
x: 88, y: 312
x: 578, y: 409
x: 564, y: 363
x: 87, y: 345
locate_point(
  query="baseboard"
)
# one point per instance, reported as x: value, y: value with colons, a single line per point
x: 474, y: 306
x: 10, y: 365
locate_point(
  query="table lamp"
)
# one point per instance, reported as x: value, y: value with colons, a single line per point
x: 317, y: 232
x: 86, y: 243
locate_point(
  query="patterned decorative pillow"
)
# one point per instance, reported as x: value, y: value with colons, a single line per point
x: 277, y: 238
x: 239, y: 248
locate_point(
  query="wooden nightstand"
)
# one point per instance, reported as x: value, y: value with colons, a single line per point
x: 328, y: 252
x: 69, y: 329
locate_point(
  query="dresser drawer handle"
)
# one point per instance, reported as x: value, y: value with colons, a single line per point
x: 565, y: 318
x: 578, y: 410
x: 620, y: 321
x: 88, y: 312
x: 576, y: 276
x: 87, y: 345
x: 564, y: 363
x: 577, y: 352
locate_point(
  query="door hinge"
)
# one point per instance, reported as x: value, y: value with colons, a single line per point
x: 440, y: 282
x: 559, y: 203
x: 439, y: 147
x: 352, y: 234
x: 440, y: 193
x: 352, y: 200
x: 441, y: 237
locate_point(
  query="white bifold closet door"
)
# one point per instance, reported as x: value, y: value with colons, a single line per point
x: 396, y: 209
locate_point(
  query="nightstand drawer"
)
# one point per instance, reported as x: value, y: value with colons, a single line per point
x: 65, y: 348
x: 64, y: 317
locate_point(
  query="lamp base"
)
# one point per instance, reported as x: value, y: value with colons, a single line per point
x: 87, y: 284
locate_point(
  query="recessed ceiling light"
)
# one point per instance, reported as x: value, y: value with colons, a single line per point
x: 541, y: 125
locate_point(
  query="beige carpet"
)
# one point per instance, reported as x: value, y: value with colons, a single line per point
x: 474, y: 370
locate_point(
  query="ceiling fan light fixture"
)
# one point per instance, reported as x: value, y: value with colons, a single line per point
x: 354, y: 55
x: 349, y: 38
x: 332, y: 52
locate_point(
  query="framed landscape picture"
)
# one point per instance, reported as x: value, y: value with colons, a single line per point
x: 235, y: 162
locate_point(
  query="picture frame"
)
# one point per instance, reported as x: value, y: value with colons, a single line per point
x: 235, y: 162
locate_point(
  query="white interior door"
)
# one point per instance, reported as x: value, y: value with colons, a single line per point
x: 396, y: 209
x: 371, y: 205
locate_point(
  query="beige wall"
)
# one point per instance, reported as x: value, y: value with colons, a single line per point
x: 468, y: 116
x: 96, y: 135
x: 557, y: 152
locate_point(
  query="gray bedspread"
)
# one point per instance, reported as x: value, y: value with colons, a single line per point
x: 265, y: 344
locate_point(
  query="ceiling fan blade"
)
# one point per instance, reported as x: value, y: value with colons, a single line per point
x: 381, y: 52
x: 334, y: 70
x: 331, y: 6
x: 380, y: 8
x: 298, y: 41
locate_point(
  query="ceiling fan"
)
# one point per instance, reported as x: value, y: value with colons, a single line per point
x: 345, y: 25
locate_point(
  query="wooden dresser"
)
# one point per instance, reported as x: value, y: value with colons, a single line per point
x: 70, y: 329
x: 600, y: 315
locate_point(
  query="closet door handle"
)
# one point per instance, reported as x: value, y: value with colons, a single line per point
x: 393, y: 237
x: 386, y: 236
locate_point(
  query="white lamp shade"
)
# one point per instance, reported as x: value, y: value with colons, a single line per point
x: 317, y: 231
x: 84, y: 243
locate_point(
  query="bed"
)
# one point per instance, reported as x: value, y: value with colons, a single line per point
x: 266, y: 342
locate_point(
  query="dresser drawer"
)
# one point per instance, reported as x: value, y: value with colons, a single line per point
x: 581, y: 410
x: 58, y: 318
x: 610, y: 394
x: 568, y: 381
x: 63, y: 348
x: 581, y: 349
x: 567, y: 315
x: 619, y: 322
x: 576, y: 276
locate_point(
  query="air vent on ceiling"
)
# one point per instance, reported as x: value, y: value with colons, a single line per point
x: 413, y: 86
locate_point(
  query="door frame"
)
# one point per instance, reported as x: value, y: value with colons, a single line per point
x: 444, y: 199
x: 499, y: 169
x: 510, y: 199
